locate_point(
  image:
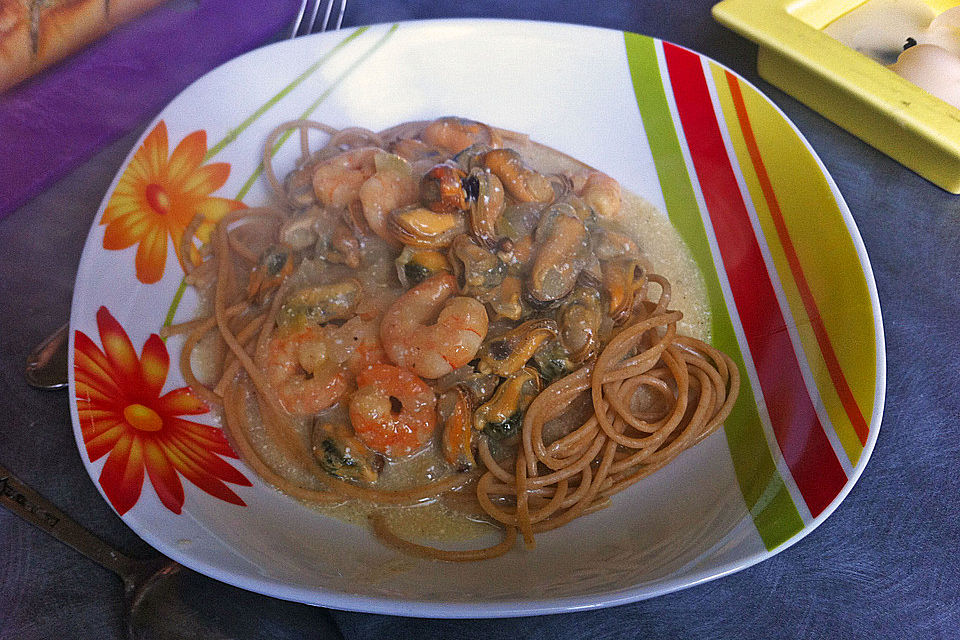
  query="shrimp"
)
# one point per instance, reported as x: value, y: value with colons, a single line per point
x: 337, y: 181
x: 301, y: 370
x: 602, y: 194
x: 356, y: 344
x: 390, y: 187
x: 456, y: 134
x: 393, y: 411
x: 451, y: 341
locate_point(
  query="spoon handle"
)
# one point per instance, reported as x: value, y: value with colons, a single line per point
x: 43, y: 514
x: 47, y: 363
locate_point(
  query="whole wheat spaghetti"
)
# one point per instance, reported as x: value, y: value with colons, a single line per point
x: 416, y: 318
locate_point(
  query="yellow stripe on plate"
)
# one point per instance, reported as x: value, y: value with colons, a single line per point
x: 786, y: 182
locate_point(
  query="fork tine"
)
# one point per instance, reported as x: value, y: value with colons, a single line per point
x: 295, y: 27
x: 343, y: 10
x: 306, y: 21
x: 313, y: 17
x: 326, y: 16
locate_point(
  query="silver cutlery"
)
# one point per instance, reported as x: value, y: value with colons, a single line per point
x: 47, y: 363
x: 157, y: 591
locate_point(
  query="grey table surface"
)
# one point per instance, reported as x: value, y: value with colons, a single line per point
x: 884, y: 565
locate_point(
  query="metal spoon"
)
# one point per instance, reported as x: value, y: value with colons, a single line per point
x: 162, y: 599
x: 47, y: 363
x: 138, y: 576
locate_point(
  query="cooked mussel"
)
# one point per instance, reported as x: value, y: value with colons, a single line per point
x: 343, y: 246
x: 487, y: 202
x: 442, y: 188
x: 298, y: 186
x: 563, y: 250
x: 273, y: 265
x: 623, y: 279
x: 472, y: 156
x: 456, y: 134
x: 516, y: 228
x: 420, y: 155
x: 519, y: 220
x: 580, y: 319
x: 552, y: 360
x: 321, y: 303
x: 341, y: 454
x: 455, y: 411
x: 416, y: 265
x: 417, y: 226
x: 602, y: 194
x: 520, y: 181
x: 611, y: 243
x: 481, y: 386
x: 506, y: 299
x: 508, y: 353
x: 299, y: 232
x: 501, y: 417
x: 477, y: 269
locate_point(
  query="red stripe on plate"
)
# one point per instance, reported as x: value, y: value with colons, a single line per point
x: 809, y: 302
x: 805, y: 447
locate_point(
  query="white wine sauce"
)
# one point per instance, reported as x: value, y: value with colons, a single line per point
x: 456, y: 517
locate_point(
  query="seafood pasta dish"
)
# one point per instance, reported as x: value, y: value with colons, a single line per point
x: 445, y: 329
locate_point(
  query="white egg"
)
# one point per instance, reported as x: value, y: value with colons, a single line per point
x: 949, y: 20
x: 879, y: 28
x: 941, y: 39
x: 943, y: 32
x: 933, y: 69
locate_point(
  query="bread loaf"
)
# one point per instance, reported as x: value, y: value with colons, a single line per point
x: 37, y: 33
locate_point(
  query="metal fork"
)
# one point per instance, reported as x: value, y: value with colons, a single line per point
x: 306, y: 21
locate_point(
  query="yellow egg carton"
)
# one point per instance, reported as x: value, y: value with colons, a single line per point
x: 888, y: 112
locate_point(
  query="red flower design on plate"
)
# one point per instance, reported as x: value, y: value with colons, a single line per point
x: 123, y: 414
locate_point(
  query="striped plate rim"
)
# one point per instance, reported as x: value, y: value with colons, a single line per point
x: 791, y: 293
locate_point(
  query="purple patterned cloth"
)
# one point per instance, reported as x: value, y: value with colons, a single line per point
x: 56, y: 120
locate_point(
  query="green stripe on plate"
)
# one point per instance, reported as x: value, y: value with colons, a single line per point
x: 316, y: 103
x: 773, y: 511
x: 236, y: 131
x: 266, y: 106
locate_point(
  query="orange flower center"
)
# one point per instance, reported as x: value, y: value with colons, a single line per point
x: 157, y: 198
x: 143, y: 418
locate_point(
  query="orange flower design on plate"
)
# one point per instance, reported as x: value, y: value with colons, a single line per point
x: 158, y: 196
x: 123, y: 414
